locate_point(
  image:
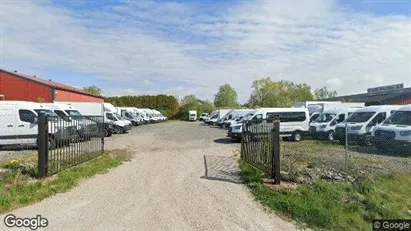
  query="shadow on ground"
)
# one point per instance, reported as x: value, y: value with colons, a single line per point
x: 222, y: 168
x: 225, y: 141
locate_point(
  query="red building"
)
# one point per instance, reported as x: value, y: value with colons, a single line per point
x: 18, y: 86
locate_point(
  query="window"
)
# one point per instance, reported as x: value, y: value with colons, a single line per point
x: 27, y: 116
x: 110, y: 116
x: 314, y: 117
x: 258, y: 117
x: 400, y: 118
x: 62, y: 115
x: 287, y: 116
x: 379, y: 118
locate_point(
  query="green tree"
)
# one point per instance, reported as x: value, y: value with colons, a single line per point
x: 267, y: 93
x: 324, y: 93
x: 226, y: 97
x: 93, y: 90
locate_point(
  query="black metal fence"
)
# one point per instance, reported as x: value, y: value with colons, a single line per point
x: 260, y: 146
x: 65, y: 142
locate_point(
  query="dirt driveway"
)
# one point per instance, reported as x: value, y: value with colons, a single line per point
x: 183, y: 176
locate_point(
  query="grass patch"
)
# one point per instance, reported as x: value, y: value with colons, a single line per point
x: 18, y: 189
x: 336, y: 206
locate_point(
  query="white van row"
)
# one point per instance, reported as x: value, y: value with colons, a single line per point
x: 69, y: 121
x: 384, y: 126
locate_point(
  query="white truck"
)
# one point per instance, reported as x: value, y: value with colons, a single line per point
x: 106, y: 110
x: 192, y: 115
x: 19, y: 125
x: 318, y: 107
x: 395, y: 132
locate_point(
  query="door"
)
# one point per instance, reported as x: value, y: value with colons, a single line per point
x: 7, y: 125
x: 27, y: 129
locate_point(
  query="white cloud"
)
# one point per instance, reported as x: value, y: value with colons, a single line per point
x: 148, y: 42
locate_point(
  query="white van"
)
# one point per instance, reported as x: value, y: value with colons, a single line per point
x: 394, y: 132
x: 19, y: 125
x: 108, y: 111
x: 236, y: 129
x: 294, y: 122
x: 361, y: 123
x: 86, y: 128
x: 129, y: 114
x: 324, y: 125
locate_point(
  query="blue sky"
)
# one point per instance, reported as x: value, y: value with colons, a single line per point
x: 192, y: 47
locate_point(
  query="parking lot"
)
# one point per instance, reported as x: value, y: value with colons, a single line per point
x: 183, y: 175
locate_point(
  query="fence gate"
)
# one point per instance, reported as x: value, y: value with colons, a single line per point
x: 65, y: 142
x: 260, y: 146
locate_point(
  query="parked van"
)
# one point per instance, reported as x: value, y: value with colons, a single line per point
x: 294, y: 122
x: 129, y: 114
x: 86, y: 128
x: 236, y: 129
x: 394, y: 132
x: 192, y: 115
x: 19, y: 125
x: 99, y: 109
x: 230, y: 116
x: 237, y: 116
x: 324, y: 126
x: 361, y: 123
x: 203, y: 116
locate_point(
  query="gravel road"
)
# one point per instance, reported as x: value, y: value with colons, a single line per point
x: 183, y: 176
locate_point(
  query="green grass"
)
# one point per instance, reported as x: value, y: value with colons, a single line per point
x: 17, y: 191
x: 336, y: 206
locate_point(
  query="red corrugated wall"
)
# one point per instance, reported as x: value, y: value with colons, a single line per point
x: 75, y: 97
x: 14, y: 88
x: 403, y: 101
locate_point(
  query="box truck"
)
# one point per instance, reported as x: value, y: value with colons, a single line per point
x: 192, y: 115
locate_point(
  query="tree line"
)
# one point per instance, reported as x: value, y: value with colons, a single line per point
x: 265, y: 93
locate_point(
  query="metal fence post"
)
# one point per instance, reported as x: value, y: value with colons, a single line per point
x: 42, y: 145
x: 276, y: 151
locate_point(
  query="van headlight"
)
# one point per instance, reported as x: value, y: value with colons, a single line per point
x: 237, y: 127
x: 356, y: 128
x: 323, y: 126
x: 405, y: 133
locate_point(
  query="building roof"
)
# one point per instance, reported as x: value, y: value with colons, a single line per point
x: 50, y: 83
x: 380, y: 97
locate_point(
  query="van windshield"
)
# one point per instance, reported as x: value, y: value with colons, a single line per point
x: 73, y: 113
x: 360, y: 117
x: 399, y: 118
x: 48, y: 112
x: 325, y: 117
x: 248, y: 116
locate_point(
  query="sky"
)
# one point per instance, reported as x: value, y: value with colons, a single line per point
x: 181, y: 47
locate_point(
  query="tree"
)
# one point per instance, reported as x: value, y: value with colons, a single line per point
x: 324, y: 93
x: 226, y: 97
x: 267, y: 93
x: 94, y: 90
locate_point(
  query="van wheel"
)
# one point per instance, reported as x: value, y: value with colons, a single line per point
x: 367, y: 141
x: 105, y: 133
x: 51, y: 143
x: 330, y: 136
x: 297, y: 136
x: 121, y: 131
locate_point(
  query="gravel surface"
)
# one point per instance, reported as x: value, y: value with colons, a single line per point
x: 183, y: 176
